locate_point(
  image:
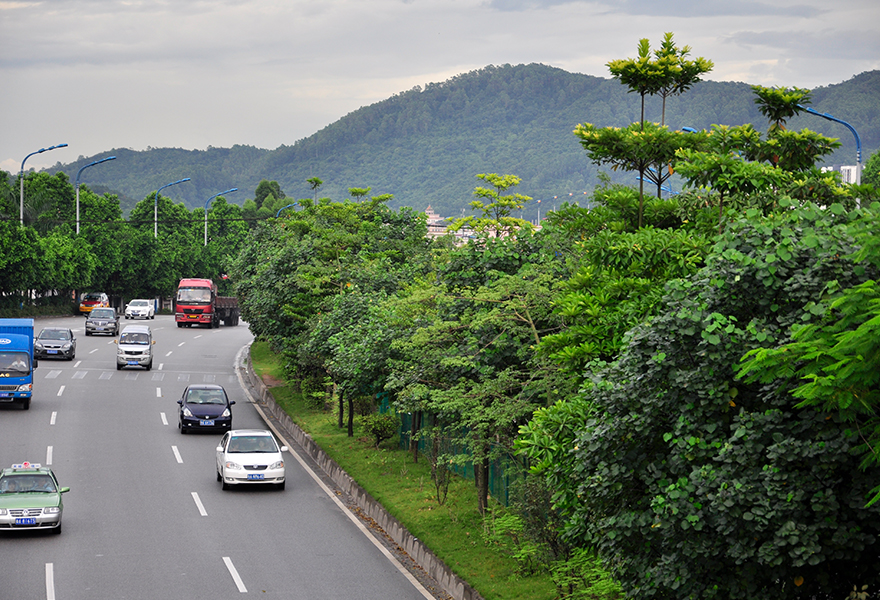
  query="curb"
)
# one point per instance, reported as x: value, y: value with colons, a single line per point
x: 454, y: 585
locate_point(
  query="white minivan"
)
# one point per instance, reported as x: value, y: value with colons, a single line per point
x: 134, y: 348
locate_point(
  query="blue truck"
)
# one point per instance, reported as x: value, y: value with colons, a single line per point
x: 17, y: 361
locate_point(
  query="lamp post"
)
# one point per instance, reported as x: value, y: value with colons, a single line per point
x: 813, y: 111
x: 156, y: 206
x: 91, y: 164
x: 21, y: 175
x: 206, y: 210
x: 282, y: 208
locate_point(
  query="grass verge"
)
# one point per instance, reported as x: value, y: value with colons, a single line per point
x: 454, y: 531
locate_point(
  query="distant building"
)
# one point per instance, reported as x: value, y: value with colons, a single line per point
x: 849, y: 173
x: 437, y: 226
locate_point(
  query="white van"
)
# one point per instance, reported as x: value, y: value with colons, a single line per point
x: 135, y: 347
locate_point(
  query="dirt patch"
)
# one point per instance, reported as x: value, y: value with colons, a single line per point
x: 272, y: 382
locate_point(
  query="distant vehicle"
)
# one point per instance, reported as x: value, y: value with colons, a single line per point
x: 17, y: 361
x: 135, y: 347
x: 93, y: 300
x: 140, y: 309
x: 30, y: 498
x: 204, y: 407
x: 250, y: 456
x: 102, y: 320
x: 197, y: 303
x: 55, y: 342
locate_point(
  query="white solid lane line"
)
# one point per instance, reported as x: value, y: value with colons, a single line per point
x: 52, y: 419
x: 158, y: 392
x: 199, y: 505
x: 235, y: 577
x: 176, y: 454
x: 50, y: 581
x: 61, y: 390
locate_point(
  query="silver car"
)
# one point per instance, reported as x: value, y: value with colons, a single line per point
x: 140, y: 309
x: 250, y: 456
x: 135, y: 347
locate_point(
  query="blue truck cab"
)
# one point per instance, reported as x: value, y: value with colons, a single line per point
x: 17, y: 361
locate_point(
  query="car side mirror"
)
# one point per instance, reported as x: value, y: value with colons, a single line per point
x: 180, y: 402
x: 284, y: 448
x: 115, y: 342
x: 64, y: 490
x: 219, y: 448
x: 154, y: 341
x: 231, y: 402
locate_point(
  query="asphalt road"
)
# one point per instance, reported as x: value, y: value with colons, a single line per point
x: 146, y: 517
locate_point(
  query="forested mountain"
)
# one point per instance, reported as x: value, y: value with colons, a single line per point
x: 426, y: 145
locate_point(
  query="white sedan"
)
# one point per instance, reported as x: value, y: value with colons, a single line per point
x: 250, y: 456
x: 140, y: 309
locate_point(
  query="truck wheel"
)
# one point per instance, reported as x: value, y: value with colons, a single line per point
x: 25, y: 404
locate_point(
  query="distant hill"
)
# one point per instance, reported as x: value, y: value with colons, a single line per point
x: 426, y: 145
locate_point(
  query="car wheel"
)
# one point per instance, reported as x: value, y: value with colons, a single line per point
x: 150, y: 366
x: 57, y: 530
x: 118, y: 367
x: 224, y: 486
x: 218, y: 476
x: 87, y: 333
x: 72, y: 356
x: 280, y: 486
x: 182, y: 430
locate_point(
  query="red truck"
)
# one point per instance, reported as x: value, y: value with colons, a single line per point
x: 197, y: 303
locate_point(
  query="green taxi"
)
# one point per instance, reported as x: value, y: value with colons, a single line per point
x: 30, y: 498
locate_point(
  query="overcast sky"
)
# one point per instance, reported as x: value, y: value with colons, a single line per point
x: 104, y: 74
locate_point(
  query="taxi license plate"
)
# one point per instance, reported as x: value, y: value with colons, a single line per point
x: 52, y: 351
x: 25, y: 521
x: 207, y: 422
x: 255, y: 476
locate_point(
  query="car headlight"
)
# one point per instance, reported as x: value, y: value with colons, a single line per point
x: 51, y: 510
x: 277, y: 465
x: 66, y: 346
x: 232, y: 465
x: 187, y: 412
x: 3, y: 511
x: 226, y: 413
x: 38, y: 345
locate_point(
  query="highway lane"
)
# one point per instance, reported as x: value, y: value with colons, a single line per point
x: 145, y: 517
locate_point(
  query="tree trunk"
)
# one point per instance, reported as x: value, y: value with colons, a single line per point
x: 341, y: 407
x: 351, y: 416
x: 482, y: 477
x: 413, y: 442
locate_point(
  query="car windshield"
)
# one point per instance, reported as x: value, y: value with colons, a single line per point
x: 14, y: 362
x: 92, y: 298
x: 55, y: 334
x: 205, y: 397
x: 134, y: 338
x: 22, y: 484
x: 139, y: 303
x: 194, y: 295
x: 251, y: 444
x: 103, y: 313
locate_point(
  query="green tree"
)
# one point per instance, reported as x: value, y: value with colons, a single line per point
x: 694, y: 485
x: 265, y: 189
x: 634, y: 148
x: 495, y: 210
x: 643, y: 75
x: 686, y: 73
x: 871, y: 171
x: 780, y: 104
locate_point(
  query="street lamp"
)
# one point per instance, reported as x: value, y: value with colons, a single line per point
x: 21, y: 174
x: 91, y: 164
x: 156, y: 206
x: 206, y: 210
x: 813, y: 111
x: 282, y: 208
